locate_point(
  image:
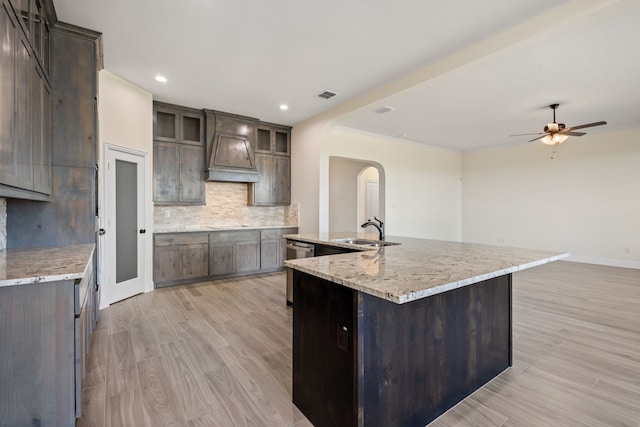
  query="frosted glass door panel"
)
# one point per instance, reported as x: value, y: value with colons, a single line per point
x: 126, y: 221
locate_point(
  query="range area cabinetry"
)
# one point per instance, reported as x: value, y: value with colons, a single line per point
x: 178, y: 155
x: 180, y: 257
x: 273, y: 247
x: 25, y: 99
x: 230, y: 147
x: 188, y: 257
x: 233, y: 252
x: 192, y: 146
x: 273, y: 161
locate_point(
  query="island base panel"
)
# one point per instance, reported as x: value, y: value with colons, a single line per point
x: 324, y: 351
x: 421, y: 358
x: 405, y: 364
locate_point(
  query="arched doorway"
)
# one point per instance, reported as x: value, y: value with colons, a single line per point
x: 348, y: 200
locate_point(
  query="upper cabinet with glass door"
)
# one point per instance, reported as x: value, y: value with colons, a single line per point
x: 274, y: 139
x: 35, y: 18
x: 178, y: 124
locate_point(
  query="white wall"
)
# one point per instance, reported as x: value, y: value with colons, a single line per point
x: 306, y: 147
x: 126, y: 119
x: 585, y: 200
x: 343, y: 193
x: 422, y: 184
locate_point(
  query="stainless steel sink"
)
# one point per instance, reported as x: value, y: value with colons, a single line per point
x: 364, y: 242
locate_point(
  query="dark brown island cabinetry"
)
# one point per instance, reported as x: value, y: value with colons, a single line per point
x: 360, y: 360
x: 180, y: 258
x: 273, y: 161
x: 25, y: 100
x: 178, y: 155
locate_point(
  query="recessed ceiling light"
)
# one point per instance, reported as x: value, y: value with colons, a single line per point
x: 161, y: 79
x: 284, y: 107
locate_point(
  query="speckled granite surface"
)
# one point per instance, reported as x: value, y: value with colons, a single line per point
x: 417, y: 268
x: 42, y: 265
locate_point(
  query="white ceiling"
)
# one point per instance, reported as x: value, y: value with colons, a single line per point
x: 460, y: 74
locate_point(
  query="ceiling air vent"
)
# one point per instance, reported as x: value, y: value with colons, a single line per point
x: 327, y: 94
x: 383, y: 110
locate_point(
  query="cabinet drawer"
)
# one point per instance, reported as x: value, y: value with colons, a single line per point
x: 181, y: 239
x: 234, y: 236
x: 82, y: 287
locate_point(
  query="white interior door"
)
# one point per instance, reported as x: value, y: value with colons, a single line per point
x: 372, y: 195
x: 124, y: 224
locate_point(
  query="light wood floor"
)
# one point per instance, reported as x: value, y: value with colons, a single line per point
x: 219, y: 354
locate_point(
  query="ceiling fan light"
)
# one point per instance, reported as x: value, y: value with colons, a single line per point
x: 547, y: 140
x: 554, y: 139
x: 559, y: 138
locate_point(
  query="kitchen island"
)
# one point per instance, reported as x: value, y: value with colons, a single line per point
x: 396, y: 335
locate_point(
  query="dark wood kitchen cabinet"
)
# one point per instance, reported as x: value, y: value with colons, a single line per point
x: 180, y: 258
x: 234, y: 252
x: 273, y: 162
x: 44, y: 341
x: 273, y: 247
x: 25, y: 102
x: 178, y: 155
x: 188, y: 257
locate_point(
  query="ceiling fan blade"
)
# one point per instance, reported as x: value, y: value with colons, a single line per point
x: 525, y: 134
x: 588, y: 125
x: 535, y: 139
x: 573, y: 133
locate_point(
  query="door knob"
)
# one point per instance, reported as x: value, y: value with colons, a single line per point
x: 142, y: 231
x: 101, y: 232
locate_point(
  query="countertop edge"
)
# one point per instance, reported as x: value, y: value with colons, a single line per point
x: 413, y: 294
x: 54, y: 277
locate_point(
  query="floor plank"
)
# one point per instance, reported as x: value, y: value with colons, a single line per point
x: 219, y: 354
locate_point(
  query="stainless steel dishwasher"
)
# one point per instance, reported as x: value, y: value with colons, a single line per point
x: 296, y: 250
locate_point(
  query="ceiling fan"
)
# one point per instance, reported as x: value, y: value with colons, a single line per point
x: 556, y: 133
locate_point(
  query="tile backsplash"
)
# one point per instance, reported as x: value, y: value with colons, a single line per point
x: 226, y: 205
x: 3, y: 223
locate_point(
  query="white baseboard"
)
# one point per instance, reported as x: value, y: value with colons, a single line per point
x: 604, y: 261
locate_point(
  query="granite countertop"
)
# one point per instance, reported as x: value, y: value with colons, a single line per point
x: 416, y: 268
x: 195, y: 229
x: 42, y: 265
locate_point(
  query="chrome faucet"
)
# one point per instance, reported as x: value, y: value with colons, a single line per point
x: 379, y: 226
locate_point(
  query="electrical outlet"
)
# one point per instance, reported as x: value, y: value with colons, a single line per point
x: 167, y: 213
x: 627, y: 250
x: 343, y: 338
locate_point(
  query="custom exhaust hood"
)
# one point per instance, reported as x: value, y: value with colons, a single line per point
x: 230, y: 142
